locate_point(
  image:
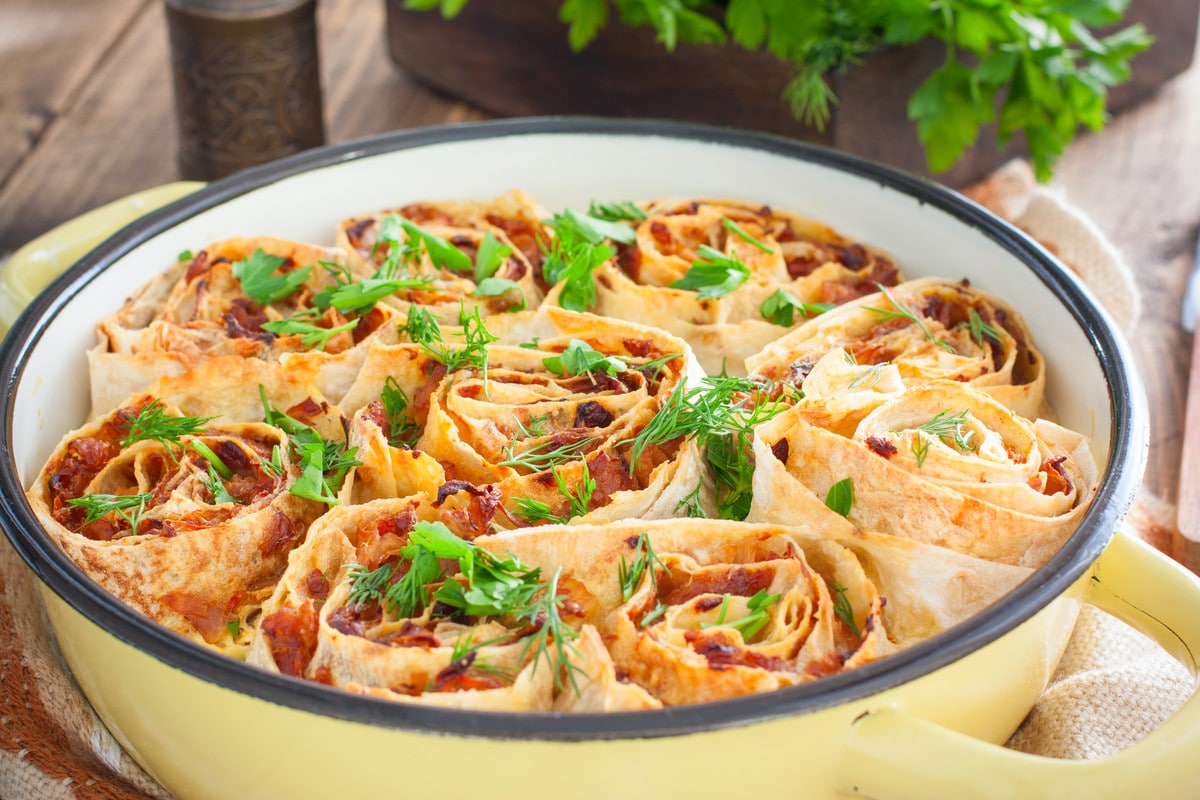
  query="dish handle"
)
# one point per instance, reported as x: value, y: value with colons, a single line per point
x: 37, y: 263
x: 897, y: 755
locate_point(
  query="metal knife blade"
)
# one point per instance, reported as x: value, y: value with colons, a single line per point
x: 1191, y: 297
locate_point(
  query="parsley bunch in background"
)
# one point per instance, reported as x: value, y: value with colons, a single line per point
x: 1029, y: 66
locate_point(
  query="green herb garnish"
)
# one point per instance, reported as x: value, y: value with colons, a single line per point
x: 949, y: 428
x: 713, y: 274
x: 546, y: 455
x: 495, y: 287
x: 630, y: 574
x: 323, y: 463
x: 841, y: 497
x: 212, y: 482
x: 472, y: 354
x: 153, y: 423
x: 259, y: 281
x: 443, y: 254
x: 421, y: 326
x: 901, y: 311
x: 754, y: 621
x: 740, y: 232
x: 402, y: 431
x: 580, y: 358
x: 781, y: 307
x: 616, y: 212
x: 98, y: 506
x: 979, y: 329
x: 310, y: 335
x: 490, y: 256
x: 841, y: 607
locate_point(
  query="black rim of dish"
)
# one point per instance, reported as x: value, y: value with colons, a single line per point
x: 1114, y: 496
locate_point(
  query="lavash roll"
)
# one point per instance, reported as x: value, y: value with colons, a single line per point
x: 809, y: 260
x: 199, y: 563
x: 897, y: 593
x: 197, y: 309
x: 941, y: 463
x: 477, y: 429
x: 997, y: 356
x: 512, y: 219
x: 313, y: 627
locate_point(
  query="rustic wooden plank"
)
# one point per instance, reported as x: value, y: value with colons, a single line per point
x: 115, y: 139
x: 48, y: 48
x: 1136, y: 181
x: 120, y: 135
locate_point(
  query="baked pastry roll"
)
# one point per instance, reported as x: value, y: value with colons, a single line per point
x: 522, y: 435
x: 752, y: 253
x: 260, y: 298
x: 381, y: 601
x: 928, y: 329
x: 188, y: 516
x: 484, y: 254
x: 941, y: 463
x: 699, y: 610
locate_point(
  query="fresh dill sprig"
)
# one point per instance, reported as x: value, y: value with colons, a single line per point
x: 546, y: 455
x: 153, y: 423
x: 902, y: 311
x: 644, y: 558
x: 949, y: 428
x: 129, y: 507
x: 841, y: 607
x: 980, y: 329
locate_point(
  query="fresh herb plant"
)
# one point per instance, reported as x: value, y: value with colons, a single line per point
x: 1027, y: 66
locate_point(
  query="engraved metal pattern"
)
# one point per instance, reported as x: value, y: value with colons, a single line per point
x: 247, y: 90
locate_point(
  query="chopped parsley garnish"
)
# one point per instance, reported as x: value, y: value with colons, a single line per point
x: 490, y: 256
x: 443, y: 254
x: 575, y: 250
x: 841, y: 497
x: 212, y: 482
x: 472, y: 354
x: 580, y: 358
x: 740, y: 232
x: 781, y: 307
x: 310, y: 335
x: 402, y: 431
x: 495, y: 287
x: 713, y: 274
x: 720, y: 415
x: 256, y: 274
x: 323, y: 463
x: 487, y: 586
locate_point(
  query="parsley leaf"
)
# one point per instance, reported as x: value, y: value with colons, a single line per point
x: 310, y: 335
x: 713, y: 274
x: 781, y: 307
x: 841, y: 497
x: 580, y: 358
x: 490, y: 256
x: 256, y: 274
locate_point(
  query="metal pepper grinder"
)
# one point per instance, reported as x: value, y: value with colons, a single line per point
x: 247, y: 82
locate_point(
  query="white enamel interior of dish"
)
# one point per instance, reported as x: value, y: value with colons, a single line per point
x: 568, y: 170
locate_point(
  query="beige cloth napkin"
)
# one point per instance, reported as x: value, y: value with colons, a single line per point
x: 1112, y: 687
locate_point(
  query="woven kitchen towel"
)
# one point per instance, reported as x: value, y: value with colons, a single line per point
x: 1112, y: 687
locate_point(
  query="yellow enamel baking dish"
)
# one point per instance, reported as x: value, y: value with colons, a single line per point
x: 923, y: 723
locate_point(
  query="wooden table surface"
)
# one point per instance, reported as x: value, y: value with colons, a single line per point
x: 87, y: 116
